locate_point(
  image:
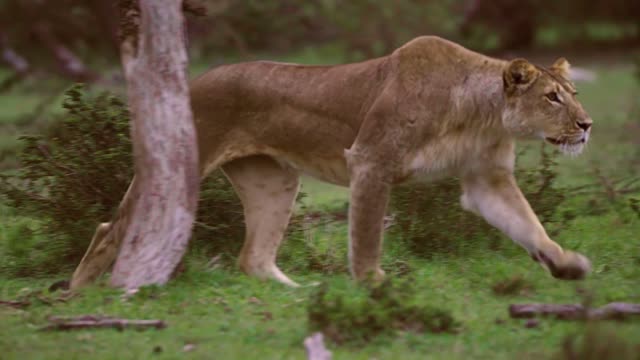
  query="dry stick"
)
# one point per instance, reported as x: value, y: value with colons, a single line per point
x: 316, y: 350
x: 611, y: 311
x: 96, y: 322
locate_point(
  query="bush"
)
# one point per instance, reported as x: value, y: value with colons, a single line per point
x: 430, y: 220
x: 366, y: 313
x: 74, y: 177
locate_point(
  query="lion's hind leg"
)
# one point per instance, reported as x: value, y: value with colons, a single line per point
x: 99, y: 256
x: 105, y: 244
x: 267, y: 191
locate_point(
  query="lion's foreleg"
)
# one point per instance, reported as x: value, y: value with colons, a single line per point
x: 497, y: 198
x: 369, y: 197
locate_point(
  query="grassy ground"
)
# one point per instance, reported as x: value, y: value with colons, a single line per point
x: 226, y: 315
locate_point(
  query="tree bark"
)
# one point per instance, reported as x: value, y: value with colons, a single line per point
x: 165, y: 191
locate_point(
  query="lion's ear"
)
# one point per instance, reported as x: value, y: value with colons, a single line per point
x: 519, y: 75
x: 561, y: 67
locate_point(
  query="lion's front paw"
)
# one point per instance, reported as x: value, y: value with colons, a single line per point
x: 572, y: 266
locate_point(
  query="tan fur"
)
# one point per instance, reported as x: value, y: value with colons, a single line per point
x: 430, y: 109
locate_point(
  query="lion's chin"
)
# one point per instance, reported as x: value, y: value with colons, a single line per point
x: 568, y: 148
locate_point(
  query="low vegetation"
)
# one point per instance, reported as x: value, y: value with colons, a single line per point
x: 380, y: 309
x: 74, y: 175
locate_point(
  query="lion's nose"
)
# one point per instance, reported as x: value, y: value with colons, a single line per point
x: 584, y: 124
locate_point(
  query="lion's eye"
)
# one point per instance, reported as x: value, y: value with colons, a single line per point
x: 553, y: 96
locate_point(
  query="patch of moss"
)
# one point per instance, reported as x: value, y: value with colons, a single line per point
x: 374, y: 310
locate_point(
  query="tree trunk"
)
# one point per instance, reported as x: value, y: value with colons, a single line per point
x: 165, y: 191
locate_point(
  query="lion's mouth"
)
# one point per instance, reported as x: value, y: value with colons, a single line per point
x: 554, y: 141
x: 564, y: 142
x: 568, y: 147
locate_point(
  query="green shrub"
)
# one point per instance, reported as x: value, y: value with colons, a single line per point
x: 365, y: 313
x: 430, y: 220
x: 73, y: 178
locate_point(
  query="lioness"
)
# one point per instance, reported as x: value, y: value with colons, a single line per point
x: 428, y: 110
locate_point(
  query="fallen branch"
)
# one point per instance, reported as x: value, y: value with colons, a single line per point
x: 612, y: 311
x: 91, y: 321
x: 15, y: 304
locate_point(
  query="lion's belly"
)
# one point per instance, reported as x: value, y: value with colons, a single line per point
x: 332, y: 169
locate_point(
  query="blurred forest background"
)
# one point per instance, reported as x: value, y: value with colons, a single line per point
x: 78, y: 38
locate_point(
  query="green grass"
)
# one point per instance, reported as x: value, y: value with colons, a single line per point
x: 216, y: 310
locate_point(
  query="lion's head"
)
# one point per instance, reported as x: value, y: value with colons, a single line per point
x: 542, y: 103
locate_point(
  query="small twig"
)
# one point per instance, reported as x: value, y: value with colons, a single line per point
x: 606, y: 183
x: 92, y: 321
x: 204, y: 226
x: 612, y: 311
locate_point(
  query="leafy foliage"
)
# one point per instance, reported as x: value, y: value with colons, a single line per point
x: 373, y: 311
x: 75, y: 176
x: 429, y: 218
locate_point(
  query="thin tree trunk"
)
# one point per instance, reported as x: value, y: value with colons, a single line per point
x: 69, y: 64
x: 165, y: 192
x: 11, y: 57
x: 16, y: 62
